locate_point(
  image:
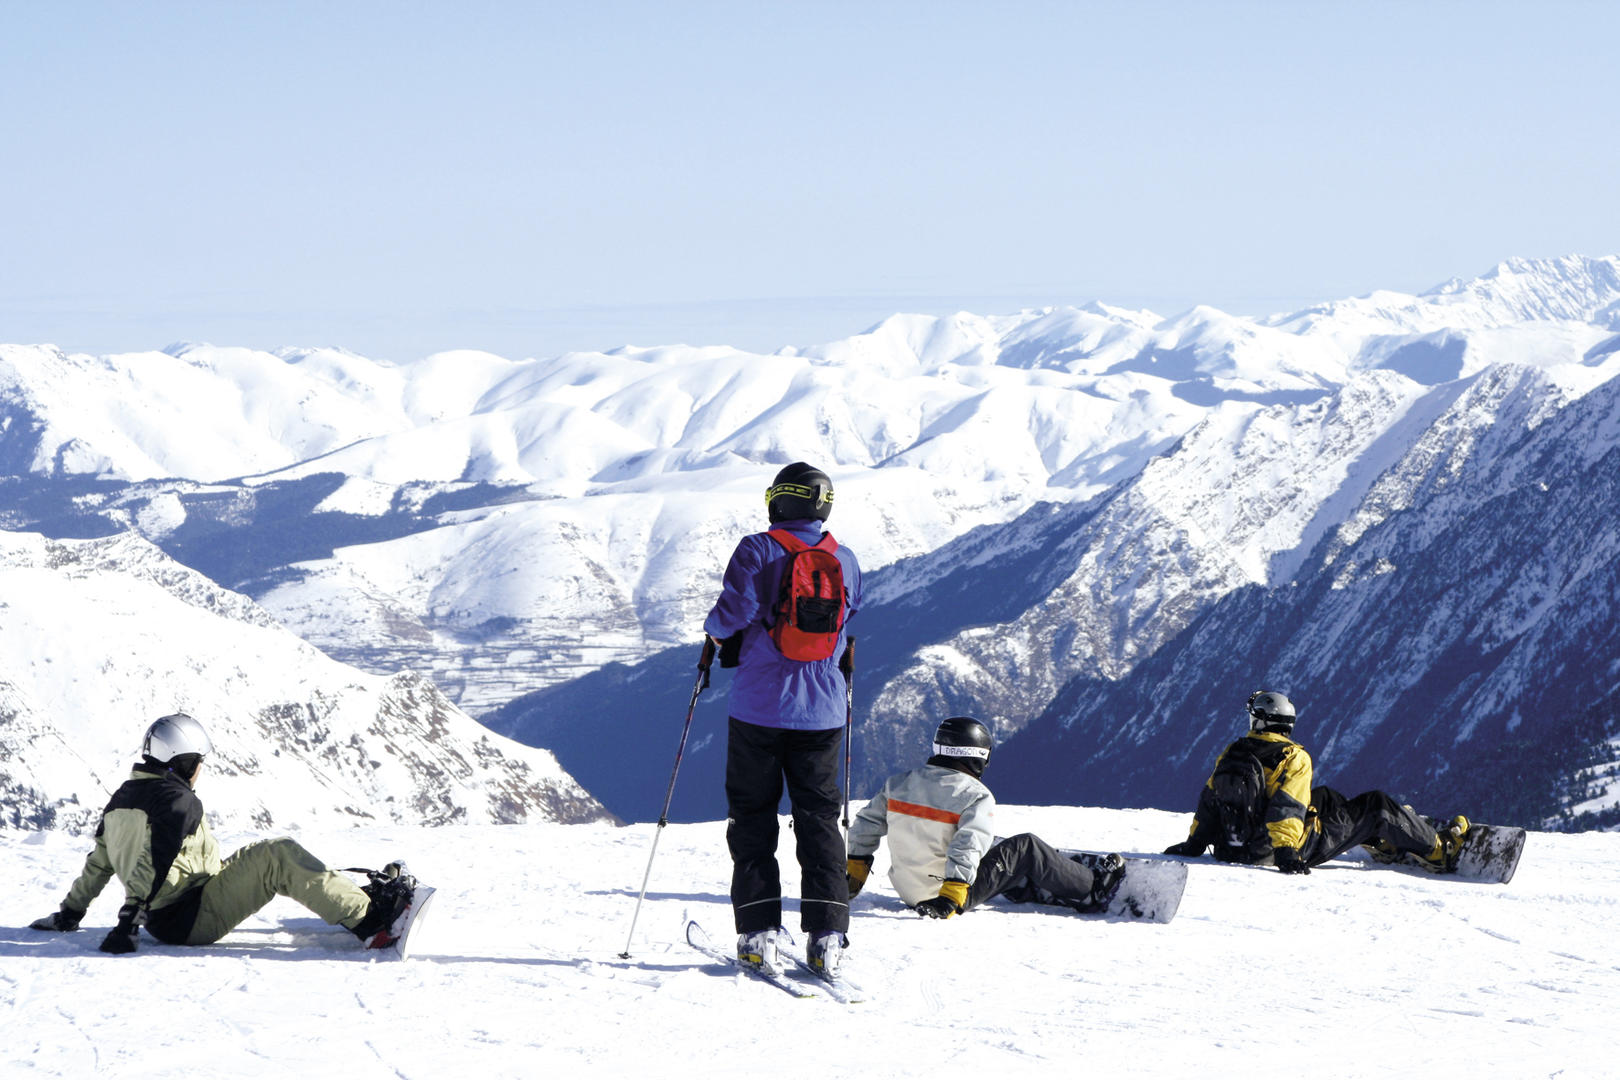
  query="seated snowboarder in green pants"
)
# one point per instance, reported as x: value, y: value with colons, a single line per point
x: 154, y: 839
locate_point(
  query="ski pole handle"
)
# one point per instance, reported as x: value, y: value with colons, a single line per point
x: 846, y: 663
x: 706, y: 660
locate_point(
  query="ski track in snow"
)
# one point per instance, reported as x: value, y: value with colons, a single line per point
x: 1356, y: 970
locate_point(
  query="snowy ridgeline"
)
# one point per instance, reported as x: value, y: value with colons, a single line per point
x: 1354, y: 971
x: 101, y: 637
x: 505, y: 524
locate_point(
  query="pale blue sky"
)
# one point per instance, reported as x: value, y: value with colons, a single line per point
x: 400, y: 178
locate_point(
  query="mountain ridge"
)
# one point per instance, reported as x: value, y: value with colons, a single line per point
x: 508, y: 526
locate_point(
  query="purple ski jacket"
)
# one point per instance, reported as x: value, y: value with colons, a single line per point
x: 769, y: 689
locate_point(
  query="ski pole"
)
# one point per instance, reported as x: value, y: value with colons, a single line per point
x: 846, y: 664
x: 704, y: 660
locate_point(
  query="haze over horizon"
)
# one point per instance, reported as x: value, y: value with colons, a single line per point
x: 398, y: 179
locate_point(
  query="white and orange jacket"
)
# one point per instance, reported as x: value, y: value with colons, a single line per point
x: 938, y: 821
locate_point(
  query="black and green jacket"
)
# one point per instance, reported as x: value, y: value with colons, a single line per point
x: 153, y: 838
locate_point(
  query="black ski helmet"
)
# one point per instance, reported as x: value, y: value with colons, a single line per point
x: 965, y: 739
x: 1270, y: 711
x: 799, y: 492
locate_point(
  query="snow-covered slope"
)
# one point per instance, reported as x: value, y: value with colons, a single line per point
x: 101, y: 637
x: 1353, y: 972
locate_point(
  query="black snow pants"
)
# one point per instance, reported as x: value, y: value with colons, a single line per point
x: 1369, y: 817
x: 758, y: 761
x: 1027, y: 869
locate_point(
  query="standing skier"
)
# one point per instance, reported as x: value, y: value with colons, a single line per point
x: 1258, y: 806
x: 785, y: 601
x: 943, y: 857
x: 154, y: 838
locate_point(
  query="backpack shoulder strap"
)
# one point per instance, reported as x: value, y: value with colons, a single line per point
x: 794, y: 545
x: 791, y: 543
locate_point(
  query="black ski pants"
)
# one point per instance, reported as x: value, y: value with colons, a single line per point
x: 758, y: 762
x: 1369, y: 817
x: 1027, y: 868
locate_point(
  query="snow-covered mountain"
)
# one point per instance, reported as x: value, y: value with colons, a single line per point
x: 102, y: 636
x: 1078, y: 595
x: 505, y: 525
x: 1046, y: 498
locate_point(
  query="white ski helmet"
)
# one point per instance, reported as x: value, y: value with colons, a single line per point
x: 171, y: 736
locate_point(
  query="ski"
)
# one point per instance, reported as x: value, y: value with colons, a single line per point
x: 838, y: 988
x: 699, y: 939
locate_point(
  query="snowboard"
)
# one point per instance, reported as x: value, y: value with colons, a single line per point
x: 1150, y: 890
x: 409, y: 921
x: 1490, y: 854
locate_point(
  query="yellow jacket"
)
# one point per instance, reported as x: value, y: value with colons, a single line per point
x: 1288, y: 788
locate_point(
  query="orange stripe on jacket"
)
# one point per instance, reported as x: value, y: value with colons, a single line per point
x: 918, y: 810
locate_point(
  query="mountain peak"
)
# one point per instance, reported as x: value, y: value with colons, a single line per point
x: 1574, y: 287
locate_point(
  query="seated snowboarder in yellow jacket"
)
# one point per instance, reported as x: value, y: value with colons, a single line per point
x: 1258, y: 807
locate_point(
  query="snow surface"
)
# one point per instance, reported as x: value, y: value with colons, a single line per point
x: 1354, y: 971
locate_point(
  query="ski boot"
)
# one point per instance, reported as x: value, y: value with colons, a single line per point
x: 391, y: 890
x: 825, y: 952
x: 1448, y: 841
x: 758, y: 950
x: 1107, y: 874
x: 1383, y: 852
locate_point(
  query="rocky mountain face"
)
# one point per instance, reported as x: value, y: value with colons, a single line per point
x: 103, y: 636
x: 1453, y: 640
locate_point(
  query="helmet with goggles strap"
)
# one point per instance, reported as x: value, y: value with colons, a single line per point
x: 1270, y: 711
x: 799, y: 492
x: 963, y: 743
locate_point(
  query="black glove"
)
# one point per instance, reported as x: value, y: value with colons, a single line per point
x: 1186, y: 847
x: 1288, y: 860
x: 65, y: 918
x: 121, y: 938
x: 952, y: 895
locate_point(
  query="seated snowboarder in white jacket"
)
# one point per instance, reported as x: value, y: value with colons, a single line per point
x: 943, y: 853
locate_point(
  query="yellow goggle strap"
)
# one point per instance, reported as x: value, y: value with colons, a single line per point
x: 817, y: 495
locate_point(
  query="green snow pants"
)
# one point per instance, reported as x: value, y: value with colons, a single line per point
x: 253, y: 875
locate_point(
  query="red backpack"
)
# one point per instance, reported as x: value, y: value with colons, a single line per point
x: 809, y: 609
